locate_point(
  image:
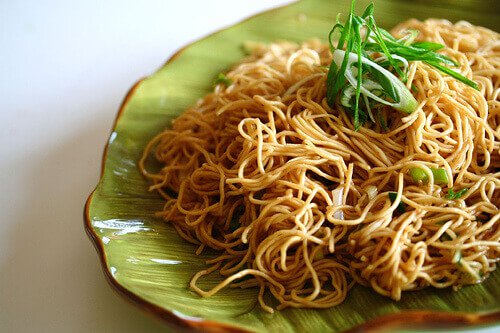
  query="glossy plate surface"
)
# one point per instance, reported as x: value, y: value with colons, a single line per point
x: 148, y: 263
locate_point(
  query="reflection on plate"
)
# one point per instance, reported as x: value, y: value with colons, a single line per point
x: 151, y: 265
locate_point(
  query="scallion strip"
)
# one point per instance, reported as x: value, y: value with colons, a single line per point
x: 456, y: 195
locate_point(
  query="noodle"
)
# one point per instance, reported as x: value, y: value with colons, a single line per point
x: 296, y: 200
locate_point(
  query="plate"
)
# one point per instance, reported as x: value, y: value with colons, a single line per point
x: 149, y: 264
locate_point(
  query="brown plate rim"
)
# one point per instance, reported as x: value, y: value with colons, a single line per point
x: 403, y: 319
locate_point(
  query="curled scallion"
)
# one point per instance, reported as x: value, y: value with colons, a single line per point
x: 367, y: 53
x: 407, y: 103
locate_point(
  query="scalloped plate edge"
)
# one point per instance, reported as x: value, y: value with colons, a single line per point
x: 403, y: 319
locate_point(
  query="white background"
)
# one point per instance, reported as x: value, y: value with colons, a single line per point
x: 65, y: 67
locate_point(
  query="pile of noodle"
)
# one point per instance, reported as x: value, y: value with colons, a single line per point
x: 295, y: 200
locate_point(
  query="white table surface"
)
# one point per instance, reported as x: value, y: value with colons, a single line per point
x: 65, y: 66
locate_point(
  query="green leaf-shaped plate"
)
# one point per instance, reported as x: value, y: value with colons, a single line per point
x: 148, y: 263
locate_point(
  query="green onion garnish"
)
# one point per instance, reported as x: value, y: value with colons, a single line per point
x: 456, y: 195
x: 401, y: 206
x: 372, y: 67
x: 445, y: 237
x: 406, y: 102
x: 420, y: 176
x: 221, y: 78
x: 472, y: 275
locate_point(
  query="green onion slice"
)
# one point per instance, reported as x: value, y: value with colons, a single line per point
x: 401, y: 206
x: 420, y: 176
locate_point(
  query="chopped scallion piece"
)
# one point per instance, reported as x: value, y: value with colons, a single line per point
x: 440, y: 176
x: 401, y: 206
x: 420, y: 176
x: 221, y: 78
x: 471, y: 274
x: 456, y: 195
x: 445, y: 237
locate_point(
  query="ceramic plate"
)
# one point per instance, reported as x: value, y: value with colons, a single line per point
x: 148, y: 263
